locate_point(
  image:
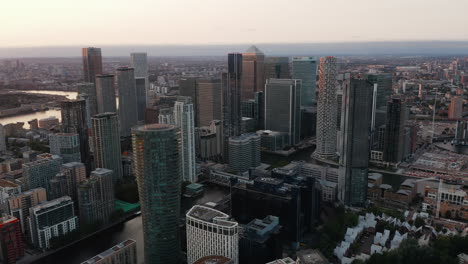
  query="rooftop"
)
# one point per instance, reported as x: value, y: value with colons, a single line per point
x: 210, y: 215
x: 213, y: 260
x: 253, y: 50
x: 311, y: 256
x: 110, y: 251
x: 153, y: 127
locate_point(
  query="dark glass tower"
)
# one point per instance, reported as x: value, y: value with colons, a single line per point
x: 157, y: 170
x: 92, y: 63
x: 74, y: 120
x: 394, y: 131
x: 231, y: 82
x: 356, y: 123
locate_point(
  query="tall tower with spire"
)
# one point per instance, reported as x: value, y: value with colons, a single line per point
x: 253, y: 68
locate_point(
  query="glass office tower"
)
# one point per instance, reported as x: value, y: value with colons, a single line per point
x: 157, y: 170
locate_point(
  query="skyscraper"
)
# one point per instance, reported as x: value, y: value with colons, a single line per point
x: 231, y: 83
x: 89, y: 89
x: 106, y: 141
x: 65, y: 145
x: 184, y: 119
x: 384, y: 87
x: 140, y: 86
x: 326, y: 109
x: 65, y: 183
x: 277, y: 68
x: 105, y: 94
x: 305, y: 69
x: 253, y: 68
x: 394, y: 131
x: 127, y: 100
x: 11, y: 240
x: 157, y: 170
x: 92, y: 63
x: 232, y: 115
x: 211, y: 232
x: 74, y: 121
x: 244, y: 152
x: 139, y: 62
x: 283, y: 107
x: 356, y: 125
x: 209, y: 101
x: 96, y: 197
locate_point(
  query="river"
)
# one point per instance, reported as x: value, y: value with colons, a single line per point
x: 38, y: 115
x: 96, y: 244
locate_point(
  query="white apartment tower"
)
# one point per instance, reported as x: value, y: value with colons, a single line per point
x: 326, y: 109
x: 211, y: 232
x: 184, y: 119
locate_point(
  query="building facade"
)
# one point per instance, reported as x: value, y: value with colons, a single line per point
x: 11, y: 240
x: 127, y: 100
x: 65, y: 183
x: 455, y: 110
x: 356, y: 126
x: 139, y: 62
x: 74, y: 120
x: 92, y: 63
x: 19, y: 204
x: 326, y: 109
x: 184, y: 119
x: 277, y: 68
x: 283, y: 107
x: 106, y: 141
x: 65, y: 145
x: 244, y: 152
x: 253, y: 67
x: 158, y: 174
x: 38, y: 173
x: 96, y: 197
x: 393, y: 148
x: 305, y: 69
x: 51, y: 219
x: 105, y: 94
x: 211, y: 232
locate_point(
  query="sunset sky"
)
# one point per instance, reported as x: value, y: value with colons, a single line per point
x: 123, y: 22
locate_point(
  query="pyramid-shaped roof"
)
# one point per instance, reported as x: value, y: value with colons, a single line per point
x: 254, y: 50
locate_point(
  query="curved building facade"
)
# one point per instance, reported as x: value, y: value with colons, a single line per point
x: 210, y: 232
x: 326, y: 109
x: 156, y: 167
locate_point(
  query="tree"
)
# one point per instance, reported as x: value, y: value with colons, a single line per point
x: 419, y: 222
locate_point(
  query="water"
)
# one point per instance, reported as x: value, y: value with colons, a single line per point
x: 38, y: 115
x: 131, y: 229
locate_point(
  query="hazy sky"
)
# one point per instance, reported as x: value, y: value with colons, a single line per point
x: 127, y: 22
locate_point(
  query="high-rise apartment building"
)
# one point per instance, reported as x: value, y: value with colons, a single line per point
x: 184, y: 119
x: 244, y: 152
x: 11, y: 240
x: 139, y: 62
x: 211, y: 232
x: 158, y: 174
x: 66, y: 182
x: 394, y: 131
x: 253, y: 68
x: 123, y: 253
x: 51, y: 219
x: 74, y: 121
x: 356, y: 126
x: 326, y: 109
x: 283, y: 107
x: 105, y: 94
x: 65, y: 145
x: 38, y: 173
x: 19, y: 204
x: 89, y: 90
x: 305, y: 69
x: 140, y: 86
x: 455, y: 110
x: 127, y: 100
x: 106, y: 141
x: 92, y: 63
x: 96, y: 197
x: 277, y: 68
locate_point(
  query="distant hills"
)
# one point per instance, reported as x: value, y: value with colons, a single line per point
x: 414, y: 48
